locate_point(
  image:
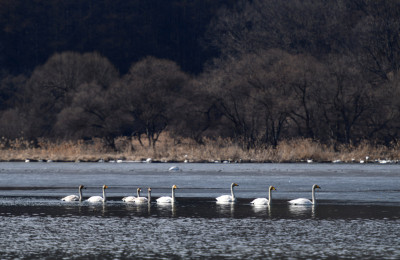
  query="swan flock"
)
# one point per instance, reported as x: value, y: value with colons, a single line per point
x: 166, y: 199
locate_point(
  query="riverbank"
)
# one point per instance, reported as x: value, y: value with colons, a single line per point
x: 169, y: 150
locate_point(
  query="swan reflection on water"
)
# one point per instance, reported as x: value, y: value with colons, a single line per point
x: 302, y: 210
x: 167, y: 208
x: 225, y: 208
x: 262, y: 209
x: 98, y: 207
x: 141, y: 208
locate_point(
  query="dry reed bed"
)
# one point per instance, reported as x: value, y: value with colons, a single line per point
x: 169, y: 150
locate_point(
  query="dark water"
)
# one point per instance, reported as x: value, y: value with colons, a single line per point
x: 357, y: 215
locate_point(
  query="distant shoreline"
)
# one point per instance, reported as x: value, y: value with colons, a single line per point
x: 204, y: 162
x: 212, y: 151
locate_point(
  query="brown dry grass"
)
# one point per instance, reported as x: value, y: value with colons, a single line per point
x: 169, y: 149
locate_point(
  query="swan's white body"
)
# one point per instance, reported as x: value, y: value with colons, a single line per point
x: 94, y: 199
x: 264, y: 201
x: 174, y: 169
x: 167, y: 199
x: 129, y: 199
x: 132, y: 198
x: 141, y: 200
x: 228, y: 198
x: 70, y: 198
x: 74, y: 197
x: 303, y: 201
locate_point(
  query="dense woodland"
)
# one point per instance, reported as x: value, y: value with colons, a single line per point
x: 255, y: 72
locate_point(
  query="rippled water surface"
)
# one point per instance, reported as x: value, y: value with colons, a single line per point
x: 357, y: 215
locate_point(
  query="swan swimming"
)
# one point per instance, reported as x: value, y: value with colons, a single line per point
x: 228, y: 198
x: 99, y: 198
x: 132, y: 198
x: 303, y: 201
x: 167, y: 199
x: 264, y: 201
x: 143, y: 199
x: 74, y: 197
x: 174, y: 169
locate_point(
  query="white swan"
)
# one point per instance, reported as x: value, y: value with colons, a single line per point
x: 99, y: 198
x: 303, y: 201
x: 168, y: 199
x: 264, y: 201
x: 174, y: 169
x: 142, y: 199
x: 74, y: 197
x: 132, y: 198
x: 228, y: 198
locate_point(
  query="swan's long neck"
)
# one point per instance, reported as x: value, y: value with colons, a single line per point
x: 138, y: 193
x: 173, y: 195
x: 313, y: 195
x: 104, y: 195
x: 232, y: 193
x: 269, y: 197
x: 80, y: 194
x: 149, y: 196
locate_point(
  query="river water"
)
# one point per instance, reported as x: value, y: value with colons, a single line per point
x: 357, y: 214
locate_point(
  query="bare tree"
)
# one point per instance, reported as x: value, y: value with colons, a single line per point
x: 271, y: 90
x: 150, y: 93
x: 202, y: 116
x: 346, y: 100
x: 94, y: 112
x: 306, y: 77
x: 52, y: 87
x: 254, y: 95
x: 383, y: 124
x: 99, y: 70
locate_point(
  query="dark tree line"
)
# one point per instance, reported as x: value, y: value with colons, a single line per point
x: 272, y: 70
